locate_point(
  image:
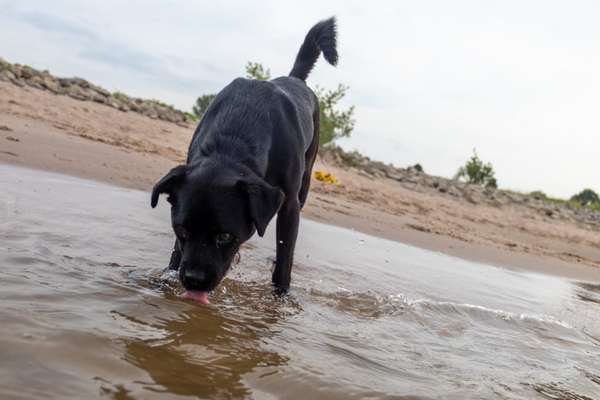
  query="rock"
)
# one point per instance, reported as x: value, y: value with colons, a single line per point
x: 101, y: 91
x: 52, y: 85
x: 453, y: 191
x: 7, y: 75
x: 394, y: 175
x: 27, y: 72
x: 78, y: 93
x: 99, y: 98
x: 36, y: 82
x: 16, y: 69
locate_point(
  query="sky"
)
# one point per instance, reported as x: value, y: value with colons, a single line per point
x: 431, y: 80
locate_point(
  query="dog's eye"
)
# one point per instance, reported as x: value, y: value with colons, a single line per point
x: 181, y: 232
x: 223, y: 238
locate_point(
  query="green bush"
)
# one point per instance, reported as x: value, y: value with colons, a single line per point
x: 256, y: 70
x: 191, y: 116
x: 334, y: 123
x: 586, y: 197
x: 538, y: 195
x: 477, y: 173
x: 202, y: 104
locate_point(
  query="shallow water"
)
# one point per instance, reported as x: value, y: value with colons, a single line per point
x: 86, y: 313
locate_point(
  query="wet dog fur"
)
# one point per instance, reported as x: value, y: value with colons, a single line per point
x: 250, y: 158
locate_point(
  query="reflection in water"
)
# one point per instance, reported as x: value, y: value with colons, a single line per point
x: 206, y: 351
x: 85, y: 312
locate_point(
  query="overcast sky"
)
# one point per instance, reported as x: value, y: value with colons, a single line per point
x: 431, y: 80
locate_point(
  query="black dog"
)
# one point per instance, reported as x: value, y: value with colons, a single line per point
x: 251, y: 157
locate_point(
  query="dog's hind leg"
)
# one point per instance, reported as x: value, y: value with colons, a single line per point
x: 288, y: 219
x: 175, y: 257
x: 311, y: 156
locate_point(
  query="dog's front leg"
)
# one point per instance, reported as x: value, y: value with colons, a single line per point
x: 288, y: 219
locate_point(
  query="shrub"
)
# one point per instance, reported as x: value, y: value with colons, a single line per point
x: 256, y: 70
x: 477, y: 173
x: 202, y: 104
x: 417, y: 167
x: 334, y: 123
x: 191, y: 116
x: 586, y: 197
x: 538, y: 195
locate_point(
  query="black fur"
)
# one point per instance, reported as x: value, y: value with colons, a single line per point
x: 321, y: 38
x: 250, y: 158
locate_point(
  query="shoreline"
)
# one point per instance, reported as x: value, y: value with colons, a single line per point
x: 41, y: 130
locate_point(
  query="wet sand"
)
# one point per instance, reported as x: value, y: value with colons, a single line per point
x: 57, y: 133
x: 87, y: 313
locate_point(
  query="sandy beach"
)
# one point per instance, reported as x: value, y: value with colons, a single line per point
x: 42, y: 130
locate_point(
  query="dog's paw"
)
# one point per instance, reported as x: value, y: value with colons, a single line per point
x: 280, y: 291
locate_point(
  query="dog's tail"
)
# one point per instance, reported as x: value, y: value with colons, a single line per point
x: 320, y: 38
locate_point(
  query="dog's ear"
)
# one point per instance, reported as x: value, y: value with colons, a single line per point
x: 264, y: 201
x: 165, y: 185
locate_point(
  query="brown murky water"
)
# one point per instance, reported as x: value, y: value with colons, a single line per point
x: 86, y: 313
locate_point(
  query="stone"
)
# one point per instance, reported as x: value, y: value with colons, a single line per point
x: 52, y: 85
x: 7, y: 75
x: 36, y: 82
x: 78, y: 93
x: 99, y: 98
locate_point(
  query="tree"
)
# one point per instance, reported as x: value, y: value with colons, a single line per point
x: 334, y: 123
x: 256, y: 70
x: 476, y: 172
x: 202, y: 104
x: 586, y: 197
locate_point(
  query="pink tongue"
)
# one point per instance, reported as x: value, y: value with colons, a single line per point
x: 200, y: 297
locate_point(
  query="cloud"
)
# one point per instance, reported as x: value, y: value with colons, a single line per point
x: 95, y: 47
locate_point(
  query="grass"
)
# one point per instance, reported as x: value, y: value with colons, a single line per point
x: 120, y: 96
x: 595, y: 207
x: 538, y: 194
x: 163, y: 104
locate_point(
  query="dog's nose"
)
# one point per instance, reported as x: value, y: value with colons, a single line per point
x: 193, y: 279
x: 194, y: 275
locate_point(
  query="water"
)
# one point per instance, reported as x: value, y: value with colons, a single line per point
x: 86, y: 313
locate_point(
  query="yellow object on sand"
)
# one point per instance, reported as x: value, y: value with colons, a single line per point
x: 325, y: 177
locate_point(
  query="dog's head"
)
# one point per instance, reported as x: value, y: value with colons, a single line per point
x: 214, y: 209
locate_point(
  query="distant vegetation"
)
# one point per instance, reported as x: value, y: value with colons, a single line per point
x: 201, y: 105
x: 586, y: 197
x: 475, y: 172
x: 335, y: 122
x: 257, y: 71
